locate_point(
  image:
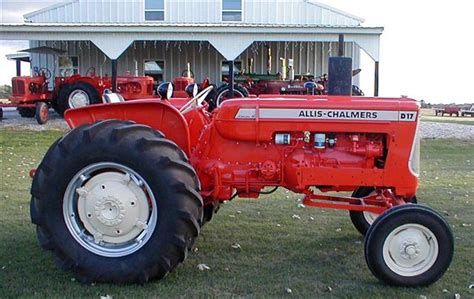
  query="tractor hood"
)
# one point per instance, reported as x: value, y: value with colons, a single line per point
x: 258, y: 119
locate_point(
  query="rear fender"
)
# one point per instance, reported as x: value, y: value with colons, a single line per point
x: 156, y: 114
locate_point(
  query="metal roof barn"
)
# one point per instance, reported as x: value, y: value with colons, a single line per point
x: 205, y: 33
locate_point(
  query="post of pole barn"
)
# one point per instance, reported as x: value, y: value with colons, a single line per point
x: 18, y: 67
x: 376, y: 80
x: 340, y: 51
x: 231, y: 78
x: 114, y: 75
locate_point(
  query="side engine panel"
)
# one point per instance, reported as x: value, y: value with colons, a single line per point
x: 333, y: 143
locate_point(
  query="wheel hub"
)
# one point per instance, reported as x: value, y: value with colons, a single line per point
x: 78, y: 98
x: 113, y: 207
x: 410, y: 249
x: 110, y: 211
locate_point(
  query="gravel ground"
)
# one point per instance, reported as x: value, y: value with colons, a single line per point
x: 431, y: 130
x: 11, y: 119
x: 435, y: 130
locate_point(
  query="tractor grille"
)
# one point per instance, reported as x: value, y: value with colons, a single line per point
x: 18, y: 87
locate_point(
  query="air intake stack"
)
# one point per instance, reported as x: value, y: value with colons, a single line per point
x: 340, y: 72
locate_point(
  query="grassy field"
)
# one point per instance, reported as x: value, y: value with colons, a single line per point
x: 429, y: 115
x: 319, y: 255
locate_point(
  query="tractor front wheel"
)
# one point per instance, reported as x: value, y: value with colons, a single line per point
x: 363, y: 220
x: 117, y: 202
x: 210, y: 210
x: 409, y: 245
x: 76, y: 95
x: 41, y: 112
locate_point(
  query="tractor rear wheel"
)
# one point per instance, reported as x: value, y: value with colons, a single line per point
x: 79, y: 94
x: 117, y: 202
x: 223, y: 94
x: 26, y: 112
x: 409, y: 245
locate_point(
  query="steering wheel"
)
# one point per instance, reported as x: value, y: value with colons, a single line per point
x: 90, y: 72
x: 196, y: 101
x: 45, y: 71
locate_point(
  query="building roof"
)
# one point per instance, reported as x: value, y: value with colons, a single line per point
x: 193, y: 11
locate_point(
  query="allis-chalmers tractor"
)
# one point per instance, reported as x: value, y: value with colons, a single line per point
x: 122, y: 197
x: 33, y: 98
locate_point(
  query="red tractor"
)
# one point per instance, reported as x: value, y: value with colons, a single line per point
x: 33, y: 98
x: 122, y: 197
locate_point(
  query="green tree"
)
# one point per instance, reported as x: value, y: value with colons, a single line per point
x: 5, y: 91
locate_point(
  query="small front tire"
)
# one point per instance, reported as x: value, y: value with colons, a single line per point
x: 41, y: 113
x: 363, y: 220
x: 410, y: 246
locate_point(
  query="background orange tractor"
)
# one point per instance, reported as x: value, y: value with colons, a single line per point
x: 33, y: 97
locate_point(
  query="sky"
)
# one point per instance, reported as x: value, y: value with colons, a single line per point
x: 426, y: 48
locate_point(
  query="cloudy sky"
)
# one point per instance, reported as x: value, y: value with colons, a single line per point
x: 427, y: 48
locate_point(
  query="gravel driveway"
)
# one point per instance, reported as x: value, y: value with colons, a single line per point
x: 428, y: 129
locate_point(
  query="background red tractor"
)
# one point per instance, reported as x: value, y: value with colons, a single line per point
x: 286, y: 82
x: 32, y: 96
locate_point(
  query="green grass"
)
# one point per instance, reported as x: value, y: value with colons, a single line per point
x: 305, y: 255
x: 429, y: 115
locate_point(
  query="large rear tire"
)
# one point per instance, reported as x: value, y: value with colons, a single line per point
x: 79, y: 94
x: 223, y: 94
x: 410, y: 246
x: 117, y: 202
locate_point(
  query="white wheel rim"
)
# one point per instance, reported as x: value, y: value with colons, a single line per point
x: 78, y: 98
x: 109, y: 209
x: 220, y: 100
x: 410, y: 250
x: 370, y: 217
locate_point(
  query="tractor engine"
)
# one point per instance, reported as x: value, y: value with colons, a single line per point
x: 334, y: 144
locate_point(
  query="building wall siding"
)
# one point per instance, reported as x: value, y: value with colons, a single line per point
x: 309, y: 57
x: 195, y: 11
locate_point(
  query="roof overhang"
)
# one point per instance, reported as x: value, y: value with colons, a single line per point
x: 229, y: 39
x: 19, y: 56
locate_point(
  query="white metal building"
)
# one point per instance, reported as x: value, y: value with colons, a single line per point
x: 159, y: 37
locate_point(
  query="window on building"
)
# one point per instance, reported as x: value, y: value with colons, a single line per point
x: 155, y: 69
x: 225, y: 69
x: 154, y: 10
x: 232, y: 10
x: 68, y: 65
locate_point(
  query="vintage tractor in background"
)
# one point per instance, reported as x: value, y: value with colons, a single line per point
x: 122, y: 197
x: 284, y: 83
x: 32, y: 96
